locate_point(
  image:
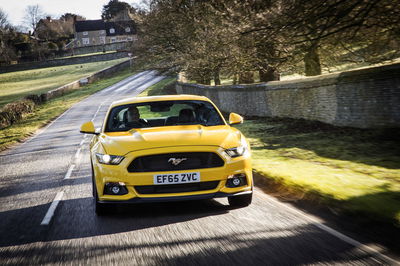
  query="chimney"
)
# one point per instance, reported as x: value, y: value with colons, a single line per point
x: 48, y: 18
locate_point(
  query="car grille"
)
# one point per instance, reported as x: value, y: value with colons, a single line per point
x: 162, y: 162
x: 177, y: 188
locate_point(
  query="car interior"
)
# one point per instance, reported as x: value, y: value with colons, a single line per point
x: 164, y: 114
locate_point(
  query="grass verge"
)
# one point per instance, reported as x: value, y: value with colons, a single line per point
x: 16, y: 85
x: 354, y: 170
x: 53, y: 108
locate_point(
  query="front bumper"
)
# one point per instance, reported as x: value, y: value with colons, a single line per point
x: 178, y: 198
x: 119, y: 173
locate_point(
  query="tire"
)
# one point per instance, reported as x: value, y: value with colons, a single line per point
x: 93, y: 183
x: 240, y: 201
x: 101, y: 208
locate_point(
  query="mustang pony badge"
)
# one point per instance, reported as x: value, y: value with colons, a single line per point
x: 176, y: 161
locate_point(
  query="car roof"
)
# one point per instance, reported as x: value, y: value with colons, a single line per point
x: 159, y: 98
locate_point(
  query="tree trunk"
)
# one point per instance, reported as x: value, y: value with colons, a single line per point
x: 246, y: 77
x: 235, y: 79
x: 311, y: 61
x: 268, y: 74
x: 217, y: 80
x: 207, y: 81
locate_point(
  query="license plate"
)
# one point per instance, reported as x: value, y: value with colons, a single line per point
x: 176, y: 178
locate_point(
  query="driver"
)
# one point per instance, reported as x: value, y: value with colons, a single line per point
x: 133, y: 119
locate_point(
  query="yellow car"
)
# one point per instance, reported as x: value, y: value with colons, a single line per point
x: 168, y: 148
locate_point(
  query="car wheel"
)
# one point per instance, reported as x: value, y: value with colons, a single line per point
x: 240, y: 201
x: 93, y: 183
x: 101, y: 209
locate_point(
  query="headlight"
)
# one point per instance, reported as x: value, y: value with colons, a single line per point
x: 109, y: 159
x: 237, y: 151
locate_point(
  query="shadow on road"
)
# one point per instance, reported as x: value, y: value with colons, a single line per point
x: 293, y: 245
x: 76, y: 218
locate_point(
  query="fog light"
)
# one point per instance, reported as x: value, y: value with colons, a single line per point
x: 236, y: 180
x: 115, y: 189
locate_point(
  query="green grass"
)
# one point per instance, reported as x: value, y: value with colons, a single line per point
x: 355, y: 170
x: 53, y: 108
x: 16, y: 85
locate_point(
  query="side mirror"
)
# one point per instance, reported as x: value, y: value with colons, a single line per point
x: 235, y: 119
x: 88, y: 128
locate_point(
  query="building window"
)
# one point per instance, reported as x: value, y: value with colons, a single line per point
x: 85, y: 41
x: 127, y: 29
x: 102, y: 39
x: 112, y: 30
x: 85, y: 33
x: 113, y: 39
x: 130, y: 38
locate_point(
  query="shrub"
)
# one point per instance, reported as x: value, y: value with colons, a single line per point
x: 14, y: 112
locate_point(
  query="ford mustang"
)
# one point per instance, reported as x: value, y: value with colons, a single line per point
x: 168, y: 148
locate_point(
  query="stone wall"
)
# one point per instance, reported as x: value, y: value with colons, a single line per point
x: 63, y: 61
x: 117, y: 46
x: 363, y: 98
x: 106, y: 72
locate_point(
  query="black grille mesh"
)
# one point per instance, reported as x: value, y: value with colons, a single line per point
x: 162, y: 162
x: 177, y: 188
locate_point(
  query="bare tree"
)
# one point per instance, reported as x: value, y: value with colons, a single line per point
x: 33, y: 15
x: 7, y: 52
x: 3, y: 19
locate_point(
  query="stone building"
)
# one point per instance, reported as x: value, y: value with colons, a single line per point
x: 98, y: 32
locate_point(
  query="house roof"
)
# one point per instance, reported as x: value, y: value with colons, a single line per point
x: 89, y: 25
x: 120, y: 27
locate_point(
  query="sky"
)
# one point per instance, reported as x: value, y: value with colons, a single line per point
x: 91, y: 9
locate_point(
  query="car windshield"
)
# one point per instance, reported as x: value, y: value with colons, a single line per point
x: 162, y: 113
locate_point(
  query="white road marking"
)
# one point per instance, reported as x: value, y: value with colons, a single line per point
x: 95, y: 114
x: 69, y: 172
x: 50, y: 212
x: 317, y: 222
x: 138, y: 80
x: 77, y: 153
x: 124, y: 82
x: 146, y: 85
x: 98, y: 109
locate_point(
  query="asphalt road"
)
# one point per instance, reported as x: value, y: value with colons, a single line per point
x: 51, y: 172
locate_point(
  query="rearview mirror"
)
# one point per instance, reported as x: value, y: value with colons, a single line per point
x: 235, y: 119
x: 88, y: 128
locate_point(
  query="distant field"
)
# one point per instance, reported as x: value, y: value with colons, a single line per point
x: 44, y: 113
x: 16, y: 85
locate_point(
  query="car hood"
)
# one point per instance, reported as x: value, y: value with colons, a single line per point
x: 121, y: 143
